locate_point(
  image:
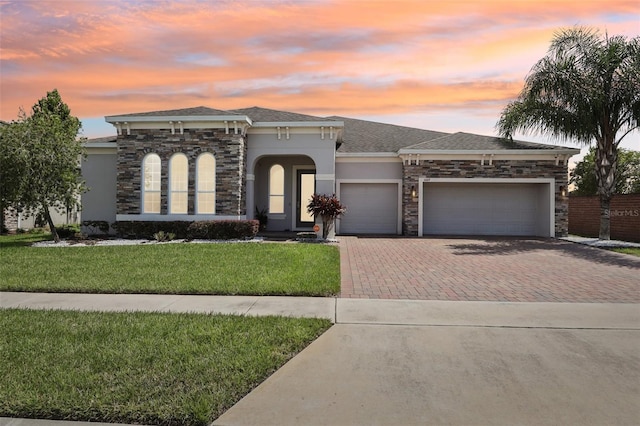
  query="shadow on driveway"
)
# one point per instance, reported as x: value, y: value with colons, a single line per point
x: 511, y: 246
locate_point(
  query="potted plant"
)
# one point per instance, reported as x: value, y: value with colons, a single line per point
x: 261, y: 216
x: 328, y: 208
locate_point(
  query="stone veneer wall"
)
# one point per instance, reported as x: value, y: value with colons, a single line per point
x: 473, y: 169
x: 229, y: 150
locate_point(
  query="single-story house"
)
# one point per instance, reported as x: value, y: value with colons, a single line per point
x: 206, y: 164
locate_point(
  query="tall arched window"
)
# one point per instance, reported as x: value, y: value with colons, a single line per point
x: 178, y: 184
x: 206, y: 184
x: 151, y: 186
x: 276, y: 189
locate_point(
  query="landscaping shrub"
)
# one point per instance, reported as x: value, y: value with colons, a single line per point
x: 96, y: 227
x: 68, y: 231
x: 223, y: 229
x: 147, y: 229
x: 206, y: 230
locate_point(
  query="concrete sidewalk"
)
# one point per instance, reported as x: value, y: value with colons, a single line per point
x: 390, y: 362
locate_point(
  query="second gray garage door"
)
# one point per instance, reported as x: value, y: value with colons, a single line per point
x: 372, y: 208
x: 486, y: 209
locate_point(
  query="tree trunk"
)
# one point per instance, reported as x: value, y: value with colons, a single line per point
x: 2, y: 221
x: 327, y: 223
x: 605, y: 218
x: 47, y: 216
x: 606, y: 165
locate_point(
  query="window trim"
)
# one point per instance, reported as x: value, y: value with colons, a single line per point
x: 215, y: 182
x: 276, y: 195
x: 172, y: 190
x: 144, y: 191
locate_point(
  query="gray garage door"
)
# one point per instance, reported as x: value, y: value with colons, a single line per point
x: 486, y: 209
x: 372, y: 208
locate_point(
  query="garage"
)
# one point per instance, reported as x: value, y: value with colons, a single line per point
x: 468, y: 208
x: 372, y: 208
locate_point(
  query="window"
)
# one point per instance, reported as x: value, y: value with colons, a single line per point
x: 276, y: 189
x: 206, y: 184
x: 151, y: 188
x: 178, y: 184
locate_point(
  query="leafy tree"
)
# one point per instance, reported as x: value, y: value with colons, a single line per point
x: 39, y: 159
x: 627, y: 179
x: 586, y: 89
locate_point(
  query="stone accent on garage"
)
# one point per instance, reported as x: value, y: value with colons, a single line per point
x: 411, y: 173
x: 229, y: 150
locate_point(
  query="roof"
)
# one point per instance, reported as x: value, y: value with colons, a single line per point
x: 358, y: 136
x: 468, y: 141
x: 104, y: 139
x: 257, y: 114
x: 184, y: 112
x: 370, y: 136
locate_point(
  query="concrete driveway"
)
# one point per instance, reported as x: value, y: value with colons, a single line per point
x: 406, y: 362
x: 487, y: 269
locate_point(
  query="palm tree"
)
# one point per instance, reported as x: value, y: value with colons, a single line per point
x: 586, y: 89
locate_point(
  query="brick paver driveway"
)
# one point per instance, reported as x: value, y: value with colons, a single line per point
x: 491, y: 269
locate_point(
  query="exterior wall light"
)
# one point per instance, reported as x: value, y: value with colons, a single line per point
x: 563, y: 191
x: 414, y: 194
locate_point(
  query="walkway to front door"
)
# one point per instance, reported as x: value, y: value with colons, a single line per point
x: 491, y: 269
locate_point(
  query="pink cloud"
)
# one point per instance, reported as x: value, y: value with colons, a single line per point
x: 333, y: 57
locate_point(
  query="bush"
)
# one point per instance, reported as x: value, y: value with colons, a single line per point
x: 96, y: 227
x: 68, y: 231
x: 223, y: 229
x: 162, y: 236
x: 207, y: 230
x: 147, y: 229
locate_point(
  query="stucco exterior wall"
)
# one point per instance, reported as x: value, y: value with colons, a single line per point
x: 469, y: 169
x: 100, y: 174
x: 368, y: 170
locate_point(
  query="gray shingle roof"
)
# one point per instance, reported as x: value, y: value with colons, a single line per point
x: 195, y: 111
x: 468, y: 141
x: 102, y: 139
x: 269, y: 115
x: 369, y: 136
x: 365, y: 136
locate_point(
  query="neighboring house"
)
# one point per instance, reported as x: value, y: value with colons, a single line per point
x: 207, y: 164
x: 14, y: 220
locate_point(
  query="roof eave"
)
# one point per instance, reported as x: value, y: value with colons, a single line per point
x: 366, y: 154
x: 563, y: 151
x: 184, y: 118
x: 298, y: 124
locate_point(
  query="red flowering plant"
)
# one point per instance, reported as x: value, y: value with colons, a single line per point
x: 328, y: 207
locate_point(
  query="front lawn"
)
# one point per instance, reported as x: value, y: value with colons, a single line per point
x: 148, y: 368
x: 185, y: 268
x: 635, y: 251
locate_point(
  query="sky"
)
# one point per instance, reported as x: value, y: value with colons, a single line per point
x: 438, y: 65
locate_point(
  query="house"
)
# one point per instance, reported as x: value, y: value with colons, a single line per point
x: 206, y: 164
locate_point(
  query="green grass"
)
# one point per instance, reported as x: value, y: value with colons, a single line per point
x: 22, y: 240
x: 149, y: 368
x: 230, y: 269
x: 635, y: 251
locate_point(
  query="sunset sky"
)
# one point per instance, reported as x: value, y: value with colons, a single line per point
x: 440, y: 65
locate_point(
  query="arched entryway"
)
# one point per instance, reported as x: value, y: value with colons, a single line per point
x: 282, y: 187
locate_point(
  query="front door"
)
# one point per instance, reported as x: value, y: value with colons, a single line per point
x: 306, y: 187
